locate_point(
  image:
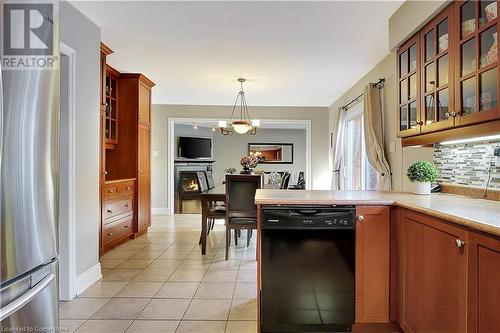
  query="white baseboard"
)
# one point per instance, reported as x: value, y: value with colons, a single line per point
x: 85, y: 280
x: 160, y: 210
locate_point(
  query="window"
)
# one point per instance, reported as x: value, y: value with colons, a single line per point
x: 358, y: 174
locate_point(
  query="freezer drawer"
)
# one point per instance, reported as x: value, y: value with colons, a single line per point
x: 30, y: 304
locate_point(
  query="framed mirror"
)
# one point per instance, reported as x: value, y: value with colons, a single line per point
x: 277, y: 153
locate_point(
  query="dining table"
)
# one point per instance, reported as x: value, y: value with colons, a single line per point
x: 217, y: 194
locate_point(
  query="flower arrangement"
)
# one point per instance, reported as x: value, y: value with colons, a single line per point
x: 248, y: 162
x: 422, y: 173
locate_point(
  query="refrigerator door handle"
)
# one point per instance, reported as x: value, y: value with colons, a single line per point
x: 12, y: 307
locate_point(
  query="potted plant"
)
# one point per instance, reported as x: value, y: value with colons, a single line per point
x: 248, y: 162
x: 422, y: 174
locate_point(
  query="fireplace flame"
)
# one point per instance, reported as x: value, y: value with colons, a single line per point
x: 191, y: 186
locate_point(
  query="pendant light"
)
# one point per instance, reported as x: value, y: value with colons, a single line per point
x: 242, y: 124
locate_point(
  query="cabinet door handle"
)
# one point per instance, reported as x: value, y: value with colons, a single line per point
x: 110, y: 211
x: 140, y: 117
x: 361, y: 218
x: 128, y: 188
x: 126, y: 205
x: 110, y: 234
x: 460, y: 243
x: 126, y: 227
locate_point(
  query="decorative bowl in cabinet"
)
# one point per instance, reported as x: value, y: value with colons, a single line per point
x: 443, y: 43
x: 491, y: 11
x: 468, y: 27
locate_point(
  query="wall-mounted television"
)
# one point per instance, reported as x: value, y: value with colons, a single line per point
x: 190, y: 147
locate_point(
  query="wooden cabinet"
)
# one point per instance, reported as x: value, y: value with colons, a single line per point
x: 372, y: 264
x: 117, y: 213
x: 125, y: 138
x: 484, y: 285
x: 435, y: 276
x: 111, y: 108
x: 448, y: 76
x: 135, y: 156
x: 476, y: 69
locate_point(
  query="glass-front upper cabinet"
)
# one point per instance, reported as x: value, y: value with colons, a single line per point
x: 408, y: 88
x: 437, y: 98
x: 476, y: 67
x: 111, y: 108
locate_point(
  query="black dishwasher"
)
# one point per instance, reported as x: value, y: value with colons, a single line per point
x: 307, y: 268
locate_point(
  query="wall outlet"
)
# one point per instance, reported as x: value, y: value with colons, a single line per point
x: 496, y: 152
x: 392, y: 147
x: 156, y: 153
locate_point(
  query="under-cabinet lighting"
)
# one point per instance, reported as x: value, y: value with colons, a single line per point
x: 476, y: 139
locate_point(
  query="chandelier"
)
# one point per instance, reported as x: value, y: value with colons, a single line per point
x: 242, y: 124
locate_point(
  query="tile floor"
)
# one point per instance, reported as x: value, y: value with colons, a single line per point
x: 160, y: 282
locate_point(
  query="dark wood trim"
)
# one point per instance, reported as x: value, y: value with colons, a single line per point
x: 138, y: 76
x: 105, y: 49
x: 466, y: 132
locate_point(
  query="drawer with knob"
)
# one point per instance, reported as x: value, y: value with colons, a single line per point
x: 118, y: 229
x: 126, y: 188
x: 111, y: 192
x: 116, y: 207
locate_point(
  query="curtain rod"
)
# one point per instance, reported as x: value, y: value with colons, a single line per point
x: 379, y: 83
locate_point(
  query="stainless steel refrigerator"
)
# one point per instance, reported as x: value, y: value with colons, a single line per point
x: 29, y: 202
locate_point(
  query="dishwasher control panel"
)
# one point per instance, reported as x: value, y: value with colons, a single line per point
x: 299, y: 217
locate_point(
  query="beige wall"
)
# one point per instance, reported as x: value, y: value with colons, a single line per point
x: 161, y: 113
x: 228, y: 150
x: 401, y: 158
x: 410, y: 17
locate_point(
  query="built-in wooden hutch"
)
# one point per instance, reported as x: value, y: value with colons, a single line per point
x: 448, y: 76
x: 125, y: 138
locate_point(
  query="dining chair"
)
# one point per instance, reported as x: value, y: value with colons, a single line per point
x: 210, y: 179
x: 241, y: 211
x: 285, y: 181
x: 202, y: 181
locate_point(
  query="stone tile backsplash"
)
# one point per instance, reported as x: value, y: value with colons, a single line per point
x: 467, y: 163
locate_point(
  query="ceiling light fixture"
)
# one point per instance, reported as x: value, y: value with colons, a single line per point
x: 243, y: 124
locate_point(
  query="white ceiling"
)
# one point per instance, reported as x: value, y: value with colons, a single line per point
x: 293, y: 53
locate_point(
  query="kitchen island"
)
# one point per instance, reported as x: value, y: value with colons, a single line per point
x: 423, y: 263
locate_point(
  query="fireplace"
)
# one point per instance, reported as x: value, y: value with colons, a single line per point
x: 188, y: 183
x: 187, y: 187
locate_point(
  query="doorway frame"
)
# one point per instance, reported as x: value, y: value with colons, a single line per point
x: 67, y: 249
x: 171, y: 150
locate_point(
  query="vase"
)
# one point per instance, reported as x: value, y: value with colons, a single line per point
x: 246, y: 171
x: 491, y: 57
x: 422, y: 187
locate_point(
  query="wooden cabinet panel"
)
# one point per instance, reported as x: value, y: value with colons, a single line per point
x: 116, y: 207
x: 435, y: 276
x: 144, y: 104
x: 484, y: 285
x: 116, y: 232
x: 372, y: 264
x: 144, y: 150
x: 437, y: 73
x: 408, y: 74
x: 144, y: 203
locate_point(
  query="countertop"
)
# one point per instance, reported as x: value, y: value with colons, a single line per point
x: 478, y: 214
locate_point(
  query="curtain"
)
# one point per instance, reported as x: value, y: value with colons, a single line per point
x: 338, y: 148
x: 374, y: 139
